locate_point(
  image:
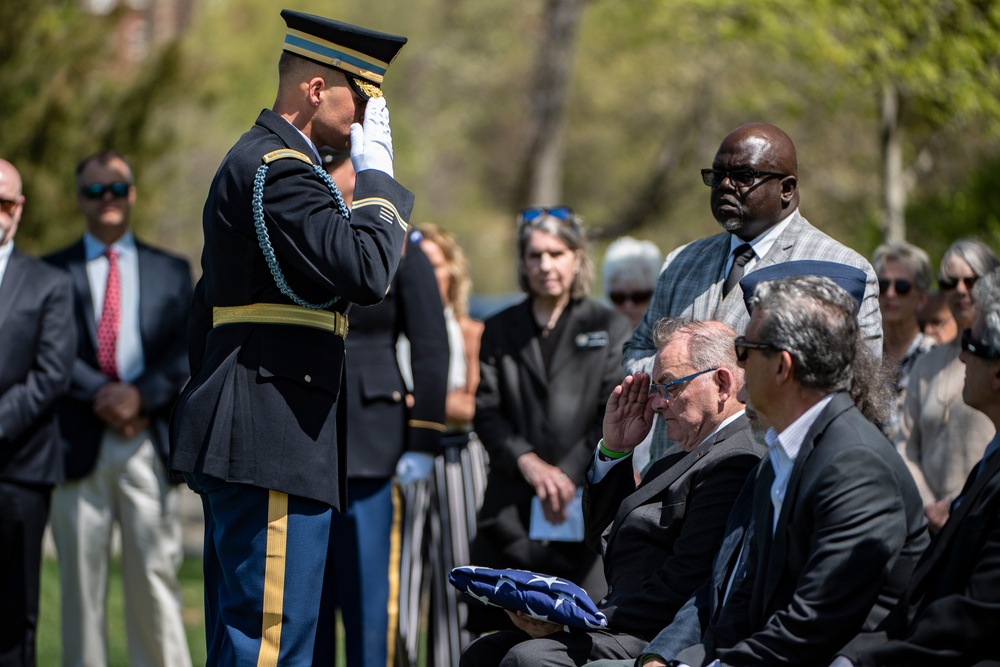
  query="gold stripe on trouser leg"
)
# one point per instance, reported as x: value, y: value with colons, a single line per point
x: 395, y: 553
x: 274, y: 578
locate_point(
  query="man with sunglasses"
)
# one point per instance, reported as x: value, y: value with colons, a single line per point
x: 948, y: 613
x: 838, y: 519
x: 36, y: 326
x: 755, y: 198
x: 657, y: 540
x: 132, y: 305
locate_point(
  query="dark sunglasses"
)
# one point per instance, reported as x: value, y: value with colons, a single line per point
x: 949, y: 284
x: 741, y: 177
x: 663, y: 390
x: 97, y: 190
x: 902, y: 286
x: 642, y: 296
x: 978, y: 348
x: 743, y: 347
x: 8, y: 205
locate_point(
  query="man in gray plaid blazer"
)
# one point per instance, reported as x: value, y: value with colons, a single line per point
x: 755, y: 198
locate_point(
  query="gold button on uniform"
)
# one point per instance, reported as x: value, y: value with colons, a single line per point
x: 308, y: 378
x: 396, y: 396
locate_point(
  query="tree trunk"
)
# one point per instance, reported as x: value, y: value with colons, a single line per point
x: 893, y: 176
x: 542, y: 181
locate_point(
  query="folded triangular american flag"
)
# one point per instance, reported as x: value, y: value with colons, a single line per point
x: 540, y: 596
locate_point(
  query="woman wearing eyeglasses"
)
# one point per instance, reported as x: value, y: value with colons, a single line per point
x: 944, y: 438
x: 547, y: 367
x: 904, y: 276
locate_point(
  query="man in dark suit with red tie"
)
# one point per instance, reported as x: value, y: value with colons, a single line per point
x: 131, y: 311
x: 36, y: 326
x: 949, y: 612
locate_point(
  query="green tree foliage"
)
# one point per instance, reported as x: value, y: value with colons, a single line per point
x: 66, y: 95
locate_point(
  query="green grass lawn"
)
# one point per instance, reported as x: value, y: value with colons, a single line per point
x: 50, y: 644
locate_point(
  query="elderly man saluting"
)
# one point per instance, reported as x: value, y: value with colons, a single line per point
x: 658, y: 540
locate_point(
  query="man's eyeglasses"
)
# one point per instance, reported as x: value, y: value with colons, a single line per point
x: 639, y: 297
x: 743, y: 347
x: 8, y: 205
x: 902, y: 286
x: 741, y: 177
x: 97, y: 190
x: 663, y: 390
x: 978, y: 348
x: 947, y: 284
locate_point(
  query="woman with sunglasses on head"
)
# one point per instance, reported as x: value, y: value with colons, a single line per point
x: 944, y: 438
x: 904, y: 276
x: 547, y: 367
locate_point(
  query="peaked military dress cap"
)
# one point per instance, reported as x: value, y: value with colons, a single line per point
x: 852, y: 280
x: 363, y: 54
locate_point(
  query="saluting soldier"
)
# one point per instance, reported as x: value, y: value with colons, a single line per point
x: 259, y: 430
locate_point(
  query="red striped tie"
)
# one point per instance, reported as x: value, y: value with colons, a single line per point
x: 107, y: 328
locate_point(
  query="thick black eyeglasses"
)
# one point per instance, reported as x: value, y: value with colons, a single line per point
x: 902, y: 286
x: 663, y: 390
x: 948, y: 284
x: 741, y: 177
x: 640, y: 297
x: 97, y: 190
x: 743, y: 347
x: 978, y: 348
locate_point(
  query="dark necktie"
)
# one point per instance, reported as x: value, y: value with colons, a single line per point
x: 107, y: 328
x: 742, y: 255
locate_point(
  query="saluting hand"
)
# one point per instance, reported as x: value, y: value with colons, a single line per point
x: 371, y: 143
x: 629, y: 414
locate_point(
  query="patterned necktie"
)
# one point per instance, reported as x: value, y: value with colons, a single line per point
x: 107, y: 328
x: 742, y: 255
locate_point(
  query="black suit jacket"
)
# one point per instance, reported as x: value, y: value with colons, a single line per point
x: 164, y: 303
x: 262, y: 407
x: 379, y: 425
x: 849, y: 534
x: 521, y: 407
x: 39, y: 340
x: 729, y: 565
x: 949, y: 613
x: 658, y: 540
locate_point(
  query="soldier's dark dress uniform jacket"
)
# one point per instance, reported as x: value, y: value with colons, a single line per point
x: 263, y: 406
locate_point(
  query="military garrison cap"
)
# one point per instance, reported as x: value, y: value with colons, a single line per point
x: 852, y: 280
x: 363, y: 54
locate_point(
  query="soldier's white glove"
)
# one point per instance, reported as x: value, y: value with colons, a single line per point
x: 414, y: 467
x: 371, y: 143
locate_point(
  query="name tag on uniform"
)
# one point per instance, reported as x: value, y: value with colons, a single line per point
x: 592, y: 339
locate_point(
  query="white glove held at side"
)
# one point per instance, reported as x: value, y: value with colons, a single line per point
x: 371, y: 144
x: 414, y: 467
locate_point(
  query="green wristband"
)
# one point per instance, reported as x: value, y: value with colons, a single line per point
x: 610, y: 454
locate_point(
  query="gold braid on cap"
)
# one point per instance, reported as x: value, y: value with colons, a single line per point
x: 370, y: 89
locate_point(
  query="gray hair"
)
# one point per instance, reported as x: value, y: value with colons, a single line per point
x: 569, y: 232
x: 986, y: 294
x: 910, y: 256
x: 629, y: 259
x: 812, y: 319
x: 710, y: 343
x: 980, y: 258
